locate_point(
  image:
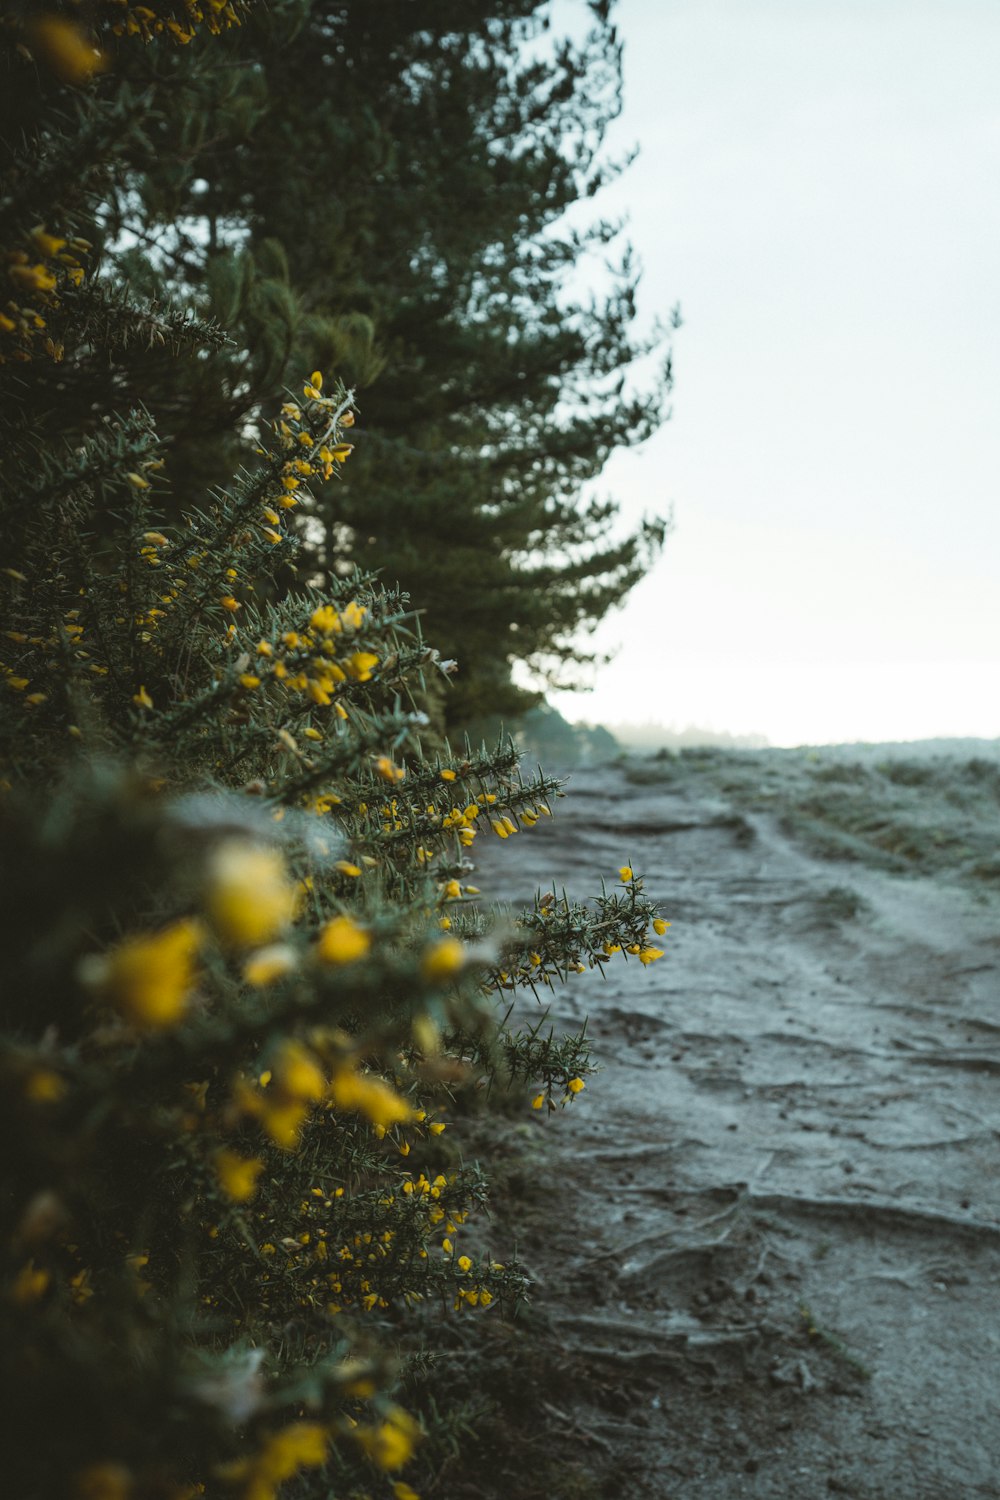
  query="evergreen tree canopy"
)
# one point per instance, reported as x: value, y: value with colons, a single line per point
x: 394, y: 193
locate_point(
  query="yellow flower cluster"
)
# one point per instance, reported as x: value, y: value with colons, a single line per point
x: 364, y: 1094
x: 410, y: 817
x: 103, y: 1481
x: 285, y: 1094
x: 269, y: 964
x: 237, y: 1174
x: 443, y: 960
x: 249, y: 900
x: 469, y: 1292
x: 294, y: 435
x: 319, y: 660
x: 68, y: 48
x: 370, y: 1267
x: 391, y: 1443
x: 545, y: 955
x: 149, y: 978
x: 180, y: 21
x: 342, y: 941
x: 322, y: 661
x: 303, y: 1445
x: 37, y: 274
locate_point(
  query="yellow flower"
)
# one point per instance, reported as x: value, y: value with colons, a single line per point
x: 442, y: 959
x: 30, y: 1284
x: 391, y: 1444
x: 237, y: 1174
x: 29, y: 279
x: 297, y: 1073
x: 46, y: 244
x: 354, y: 615
x: 297, y: 1082
x: 575, y: 1085
x: 538, y: 1101
x: 249, y: 899
x: 228, y: 602
x: 103, y: 1482
x: 388, y: 770
x: 326, y: 620
x: 447, y: 775
x: 283, y: 1120
x: 346, y: 868
x: 650, y: 955
x: 625, y: 874
x: 150, y: 978
x: 303, y: 1445
x: 361, y: 1094
x: 660, y: 926
x: 359, y: 666
x: 142, y: 699
x: 269, y: 964
x: 464, y: 1263
x: 342, y: 941
x: 43, y: 1086
x: 402, y: 1491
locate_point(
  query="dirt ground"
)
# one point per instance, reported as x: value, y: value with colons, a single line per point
x: 770, y: 1252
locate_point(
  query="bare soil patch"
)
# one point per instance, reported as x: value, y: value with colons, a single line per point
x: 767, y: 1253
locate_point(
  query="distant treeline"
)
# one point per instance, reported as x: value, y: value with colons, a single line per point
x: 666, y: 737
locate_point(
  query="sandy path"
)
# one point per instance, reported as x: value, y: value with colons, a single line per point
x: 774, y: 1243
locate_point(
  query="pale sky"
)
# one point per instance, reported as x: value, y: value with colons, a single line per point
x: 819, y: 188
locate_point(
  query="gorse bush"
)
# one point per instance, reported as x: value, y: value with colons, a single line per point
x: 244, y: 975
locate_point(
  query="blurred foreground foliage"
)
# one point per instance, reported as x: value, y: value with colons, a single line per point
x: 244, y: 975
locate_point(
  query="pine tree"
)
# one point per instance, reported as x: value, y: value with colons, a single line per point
x: 397, y: 195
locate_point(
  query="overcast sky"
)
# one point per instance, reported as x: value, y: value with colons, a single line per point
x: 819, y: 188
